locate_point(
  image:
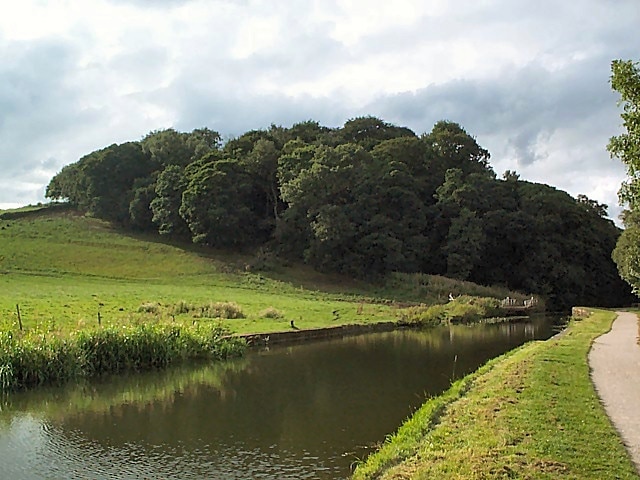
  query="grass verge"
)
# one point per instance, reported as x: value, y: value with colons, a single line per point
x: 530, y: 414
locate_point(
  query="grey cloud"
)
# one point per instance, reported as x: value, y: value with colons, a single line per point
x: 306, y: 55
x: 158, y: 4
x: 522, y: 105
x: 51, y: 112
x: 232, y: 115
x: 35, y: 101
x: 146, y: 64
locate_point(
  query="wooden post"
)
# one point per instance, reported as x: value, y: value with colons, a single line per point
x: 19, y: 317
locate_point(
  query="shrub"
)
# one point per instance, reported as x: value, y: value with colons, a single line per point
x: 219, y: 310
x: 182, y: 307
x: 464, y: 309
x: 428, y: 316
x: 271, y: 312
x: 150, y: 307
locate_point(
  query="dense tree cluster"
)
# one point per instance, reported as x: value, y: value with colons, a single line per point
x: 364, y: 200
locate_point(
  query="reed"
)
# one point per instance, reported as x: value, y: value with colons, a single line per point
x: 41, y: 359
x: 464, y: 309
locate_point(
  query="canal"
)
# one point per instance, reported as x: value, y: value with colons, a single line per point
x: 307, y: 411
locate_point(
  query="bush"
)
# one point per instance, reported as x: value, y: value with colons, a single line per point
x: 182, y: 307
x: 271, y: 312
x: 209, y: 310
x: 423, y: 315
x: 464, y: 309
x: 151, y: 307
x: 219, y: 310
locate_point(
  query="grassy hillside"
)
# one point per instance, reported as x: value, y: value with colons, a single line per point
x: 63, y: 268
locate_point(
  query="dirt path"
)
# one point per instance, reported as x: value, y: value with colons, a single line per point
x: 615, y: 371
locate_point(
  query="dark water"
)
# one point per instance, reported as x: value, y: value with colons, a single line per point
x: 304, y: 411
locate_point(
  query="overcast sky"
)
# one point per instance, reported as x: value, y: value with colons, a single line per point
x: 529, y: 80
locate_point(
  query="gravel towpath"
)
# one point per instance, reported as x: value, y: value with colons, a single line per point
x: 615, y: 371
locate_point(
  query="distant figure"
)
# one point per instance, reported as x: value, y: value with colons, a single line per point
x: 293, y: 326
x: 451, y: 299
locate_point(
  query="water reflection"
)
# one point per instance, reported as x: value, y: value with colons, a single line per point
x: 304, y: 411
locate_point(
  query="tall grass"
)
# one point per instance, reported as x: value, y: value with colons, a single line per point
x: 464, y: 309
x: 436, y: 288
x: 40, y: 359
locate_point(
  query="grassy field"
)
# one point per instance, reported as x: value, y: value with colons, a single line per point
x: 531, y: 414
x: 62, y: 269
x: 79, y: 297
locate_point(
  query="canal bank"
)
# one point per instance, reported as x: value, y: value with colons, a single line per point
x: 298, y: 335
x: 532, y: 413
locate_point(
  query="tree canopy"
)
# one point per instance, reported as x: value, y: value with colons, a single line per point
x: 364, y: 199
x: 625, y: 79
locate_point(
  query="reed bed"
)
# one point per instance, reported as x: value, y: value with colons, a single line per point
x: 464, y: 309
x: 40, y: 359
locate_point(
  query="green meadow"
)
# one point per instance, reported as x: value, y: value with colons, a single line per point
x: 63, y: 269
x: 80, y: 297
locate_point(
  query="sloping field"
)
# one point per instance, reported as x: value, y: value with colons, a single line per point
x: 63, y: 268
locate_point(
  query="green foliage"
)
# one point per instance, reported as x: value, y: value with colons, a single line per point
x: 364, y: 200
x: 464, y: 309
x: 426, y: 316
x: 453, y: 147
x: 437, y: 289
x: 140, y: 214
x: 150, y: 307
x: 216, y: 205
x: 165, y: 207
x: 43, y: 359
x: 220, y: 310
x: 271, y: 312
x: 102, y: 182
x: 627, y: 251
x: 625, y: 79
x: 169, y: 147
x: 181, y: 307
x: 370, y: 131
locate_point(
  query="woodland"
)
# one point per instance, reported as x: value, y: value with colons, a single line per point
x: 363, y: 200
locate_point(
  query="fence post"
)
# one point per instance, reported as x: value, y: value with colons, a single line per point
x: 19, y: 316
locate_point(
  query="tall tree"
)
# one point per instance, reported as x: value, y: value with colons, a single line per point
x: 370, y: 131
x: 625, y: 79
x: 453, y: 147
x: 216, y: 204
x: 165, y: 207
x: 102, y: 182
x: 140, y: 214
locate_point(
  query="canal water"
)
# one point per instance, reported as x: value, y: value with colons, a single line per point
x: 307, y: 411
